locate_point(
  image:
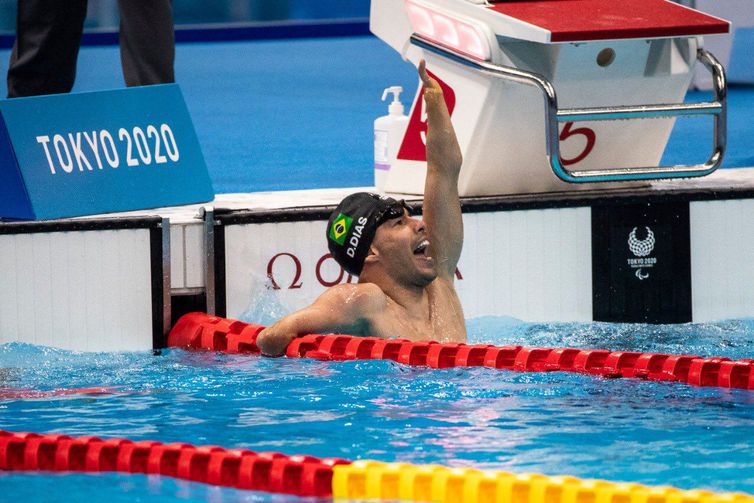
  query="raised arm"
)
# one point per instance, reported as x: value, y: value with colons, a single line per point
x: 344, y: 309
x: 442, y: 207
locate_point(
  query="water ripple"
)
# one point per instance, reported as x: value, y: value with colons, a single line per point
x: 556, y: 423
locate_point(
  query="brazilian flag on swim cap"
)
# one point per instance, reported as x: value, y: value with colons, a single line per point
x: 340, y: 227
x: 351, y: 228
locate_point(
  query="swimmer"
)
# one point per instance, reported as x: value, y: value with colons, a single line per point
x: 406, y: 267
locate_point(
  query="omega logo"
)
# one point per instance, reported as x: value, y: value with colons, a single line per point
x: 296, y: 282
x: 318, y: 271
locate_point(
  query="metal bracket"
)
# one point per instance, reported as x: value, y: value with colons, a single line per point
x: 553, y: 116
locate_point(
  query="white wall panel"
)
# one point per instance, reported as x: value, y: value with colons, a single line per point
x: 75, y: 261
x: 42, y: 258
x: 177, y: 257
x: 534, y: 265
x: 94, y: 291
x: 25, y: 288
x: 722, y: 259
x: 61, y: 284
x: 131, y: 313
x: 298, y: 246
x: 77, y: 290
x: 195, y: 256
x: 8, y: 290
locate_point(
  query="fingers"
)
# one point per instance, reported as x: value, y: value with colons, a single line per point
x: 426, y: 79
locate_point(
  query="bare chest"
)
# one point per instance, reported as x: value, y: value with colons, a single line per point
x: 440, y: 319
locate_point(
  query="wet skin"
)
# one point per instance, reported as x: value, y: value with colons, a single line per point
x: 406, y: 288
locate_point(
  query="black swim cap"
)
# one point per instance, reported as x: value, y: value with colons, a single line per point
x: 352, y: 226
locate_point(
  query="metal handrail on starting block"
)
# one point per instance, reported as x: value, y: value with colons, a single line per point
x: 716, y: 108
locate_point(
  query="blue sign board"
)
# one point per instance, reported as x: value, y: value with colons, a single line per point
x: 68, y: 155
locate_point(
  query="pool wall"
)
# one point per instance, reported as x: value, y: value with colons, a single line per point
x: 91, y: 285
x: 539, y: 258
x: 673, y: 253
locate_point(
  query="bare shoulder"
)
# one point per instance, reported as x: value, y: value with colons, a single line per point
x: 359, y: 299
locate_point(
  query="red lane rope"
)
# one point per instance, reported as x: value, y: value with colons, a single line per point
x: 202, y: 331
x: 239, y: 468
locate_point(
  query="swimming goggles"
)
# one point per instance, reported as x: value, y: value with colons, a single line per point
x: 394, y: 210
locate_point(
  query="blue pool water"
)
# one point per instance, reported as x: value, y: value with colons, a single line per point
x: 557, y: 423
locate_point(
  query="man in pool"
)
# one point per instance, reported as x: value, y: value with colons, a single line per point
x: 406, y: 267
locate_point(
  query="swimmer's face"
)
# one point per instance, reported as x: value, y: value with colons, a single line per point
x: 402, y: 245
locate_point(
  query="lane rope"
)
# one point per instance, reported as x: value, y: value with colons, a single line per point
x: 372, y: 480
x: 200, y: 331
x: 331, y: 477
x: 267, y: 471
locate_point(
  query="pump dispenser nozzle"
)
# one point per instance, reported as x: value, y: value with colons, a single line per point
x: 389, y: 131
x: 396, y: 107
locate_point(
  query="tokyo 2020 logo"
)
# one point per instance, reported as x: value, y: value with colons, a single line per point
x: 641, y: 247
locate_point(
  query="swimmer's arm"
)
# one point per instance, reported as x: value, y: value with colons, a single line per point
x: 344, y: 309
x: 442, y: 207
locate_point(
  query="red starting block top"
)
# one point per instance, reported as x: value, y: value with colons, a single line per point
x: 582, y: 20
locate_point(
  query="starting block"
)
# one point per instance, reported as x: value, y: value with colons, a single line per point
x: 550, y: 95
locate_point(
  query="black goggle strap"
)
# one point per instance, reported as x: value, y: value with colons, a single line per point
x: 404, y: 205
x: 395, y: 210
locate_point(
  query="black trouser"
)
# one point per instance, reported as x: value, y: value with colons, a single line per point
x: 48, y: 34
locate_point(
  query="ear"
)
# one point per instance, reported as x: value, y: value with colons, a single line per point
x: 373, y: 256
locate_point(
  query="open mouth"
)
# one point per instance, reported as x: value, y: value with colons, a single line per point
x: 421, y: 248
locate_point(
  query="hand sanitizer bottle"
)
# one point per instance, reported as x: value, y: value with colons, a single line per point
x: 388, y: 134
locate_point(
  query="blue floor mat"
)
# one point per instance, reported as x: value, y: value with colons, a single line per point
x: 296, y: 114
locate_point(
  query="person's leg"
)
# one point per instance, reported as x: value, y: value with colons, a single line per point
x: 48, y: 34
x: 147, y: 41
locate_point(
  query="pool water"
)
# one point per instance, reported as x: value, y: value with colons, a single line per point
x: 553, y: 423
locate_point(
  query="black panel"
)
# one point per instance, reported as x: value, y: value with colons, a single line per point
x: 220, y: 303
x: 184, y: 304
x: 158, y: 303
x: 87, y: 224
x: 641, y: 267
